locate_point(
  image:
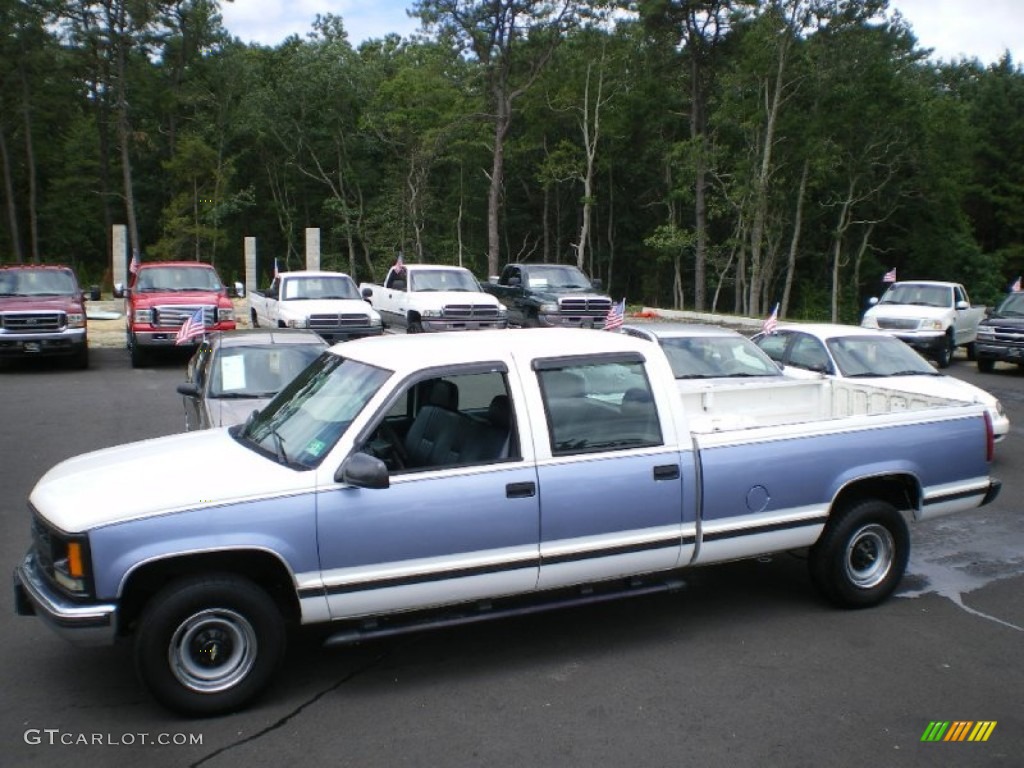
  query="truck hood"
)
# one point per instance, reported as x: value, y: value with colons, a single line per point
x: 158, y: 477
x: 909, y: 311
x: 225, y: 412
x: 553, y: 294
x: 303, y: 307
x: 179, y: 297
x: 440, y: 299
x: 37, y: 303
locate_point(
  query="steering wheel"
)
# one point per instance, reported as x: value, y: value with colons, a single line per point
x: 396, y: 444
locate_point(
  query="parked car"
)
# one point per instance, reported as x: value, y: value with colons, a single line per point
x: 233, y: 373
x: 846, y: 351
x: 42, y: 314
x: 549, y: 295
x: 708, y: 352
x: 1001, y: 334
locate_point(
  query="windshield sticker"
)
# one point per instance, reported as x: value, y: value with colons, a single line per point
x: 232, y: 371
x: 316, y: 448
x: 538, y: 282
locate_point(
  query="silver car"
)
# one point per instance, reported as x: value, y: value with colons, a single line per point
x: 233, y: 373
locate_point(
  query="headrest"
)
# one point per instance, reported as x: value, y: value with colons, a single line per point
x: 444, y: 394
x: 499, y: 412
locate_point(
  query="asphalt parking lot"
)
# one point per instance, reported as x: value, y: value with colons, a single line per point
x: 747, y: 666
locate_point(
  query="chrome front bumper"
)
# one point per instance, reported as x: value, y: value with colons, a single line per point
x: 85, y: 624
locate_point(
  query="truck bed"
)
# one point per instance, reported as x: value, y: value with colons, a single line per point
x: 725, y: 407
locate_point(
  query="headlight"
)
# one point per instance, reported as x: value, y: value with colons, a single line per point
x: 869, y: 322
x: 549, y: 309
x: 300, y: 322
x: 432, y: 313
x: 375, y: 321
x: 932, y: 325
x: 76, y: 320
x: 502, y: 311
x: 225, y: 314
x: 142, y: 316
x: 986, y: 333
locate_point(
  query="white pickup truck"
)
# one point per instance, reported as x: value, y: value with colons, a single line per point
x: 400, y: 483
x: 933, y: 317
x: 420, y: 298
x: 326, y: 302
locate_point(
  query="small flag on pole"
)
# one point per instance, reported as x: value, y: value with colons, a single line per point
x: 890, y: 276
x: 193, y: 327
x: 772, y: 321
x: 276, y: 270
x: 615, y: 316
x: 399, y: 264
x: 133, y: 266
x: 1015, y: 288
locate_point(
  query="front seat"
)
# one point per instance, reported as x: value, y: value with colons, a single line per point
x: 434, y: 422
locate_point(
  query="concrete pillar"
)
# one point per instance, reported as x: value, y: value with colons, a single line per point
x: 119, y: 254
x: 251, y: 275
x: 312, y: 248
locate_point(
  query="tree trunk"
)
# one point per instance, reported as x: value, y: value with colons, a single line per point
x: 794, y: 243
x: 12, y: 210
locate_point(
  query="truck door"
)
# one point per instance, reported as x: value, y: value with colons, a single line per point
x: 460, y: 518
x: 611, y: 490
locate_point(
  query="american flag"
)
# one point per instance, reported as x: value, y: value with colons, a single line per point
x: 615, y: 316
x: 890, y: 276
x: 192, y: 328
x: 276, y: 270
x: 399, y: 264
x: 133, y: 266
x: 772, y: 321
x: 1015, y: 288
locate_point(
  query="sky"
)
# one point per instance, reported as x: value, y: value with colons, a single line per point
x: 953, y: 28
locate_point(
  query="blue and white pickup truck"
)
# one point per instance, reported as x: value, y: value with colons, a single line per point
x: 401, y: 483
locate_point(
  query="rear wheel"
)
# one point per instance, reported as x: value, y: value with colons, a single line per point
x: 986, y: 364
x: 414, y: 326
x: 862, y: 554
x: 207, y: 645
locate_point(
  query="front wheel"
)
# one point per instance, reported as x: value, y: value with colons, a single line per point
x: 208, y: 645
x: 414, y: 326
x: 986, y: 364
x: 138, y: 357
x: 862, y: 554
x: 945, y: 354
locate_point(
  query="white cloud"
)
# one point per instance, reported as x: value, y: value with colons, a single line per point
x: 957, y: 29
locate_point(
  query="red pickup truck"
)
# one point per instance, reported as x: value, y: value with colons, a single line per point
x: 42, y: 313
x: 162, y: 296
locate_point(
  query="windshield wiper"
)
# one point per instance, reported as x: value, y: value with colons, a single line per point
x: 282, y: 457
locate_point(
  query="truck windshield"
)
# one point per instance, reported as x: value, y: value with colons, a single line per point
x: 557, y: 276
x: 919, y: 295
x: 320, y: 287
x: 36, y: 282
x: 301, y: 425
x: 443, y: 280
x: 178, y: 278
x: 1012, y: 306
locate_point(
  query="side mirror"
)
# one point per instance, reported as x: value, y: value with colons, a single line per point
x: 188, y: 390
x: 596, y: 284
x: 94, y: 293
x: 239, y: 289
x: 872, y: 301
x: 119, y: 290
x: 367, y: 293
x: 962, y: 305
x: 363, y: 471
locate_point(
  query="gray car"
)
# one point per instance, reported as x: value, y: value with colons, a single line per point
x: 233, y: 373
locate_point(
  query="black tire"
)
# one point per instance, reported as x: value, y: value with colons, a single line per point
x: 986, y: 364
x: 414, y: 326
x: 139, y: 358
x: 80, y: 359
x: 972, y: 351
x: 861, y: 555
x: 186, y: 629
x: 945, y: 354
x: 255, y: 320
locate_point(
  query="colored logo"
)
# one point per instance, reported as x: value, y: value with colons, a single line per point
x: 958, y: 730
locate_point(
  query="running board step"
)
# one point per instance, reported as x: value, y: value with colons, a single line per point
x: 486, y: 610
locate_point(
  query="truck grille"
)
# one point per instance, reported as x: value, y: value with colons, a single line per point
x: 42, y: 543
x: 898, y: 323
x: 173, y: 316
x: 585, y: 305
x: 466, y: 311
x: 33, y: 322
x: 346, y: 320
x: 1007, y: 335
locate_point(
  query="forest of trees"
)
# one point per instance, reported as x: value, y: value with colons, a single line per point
x: 721, y: 155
